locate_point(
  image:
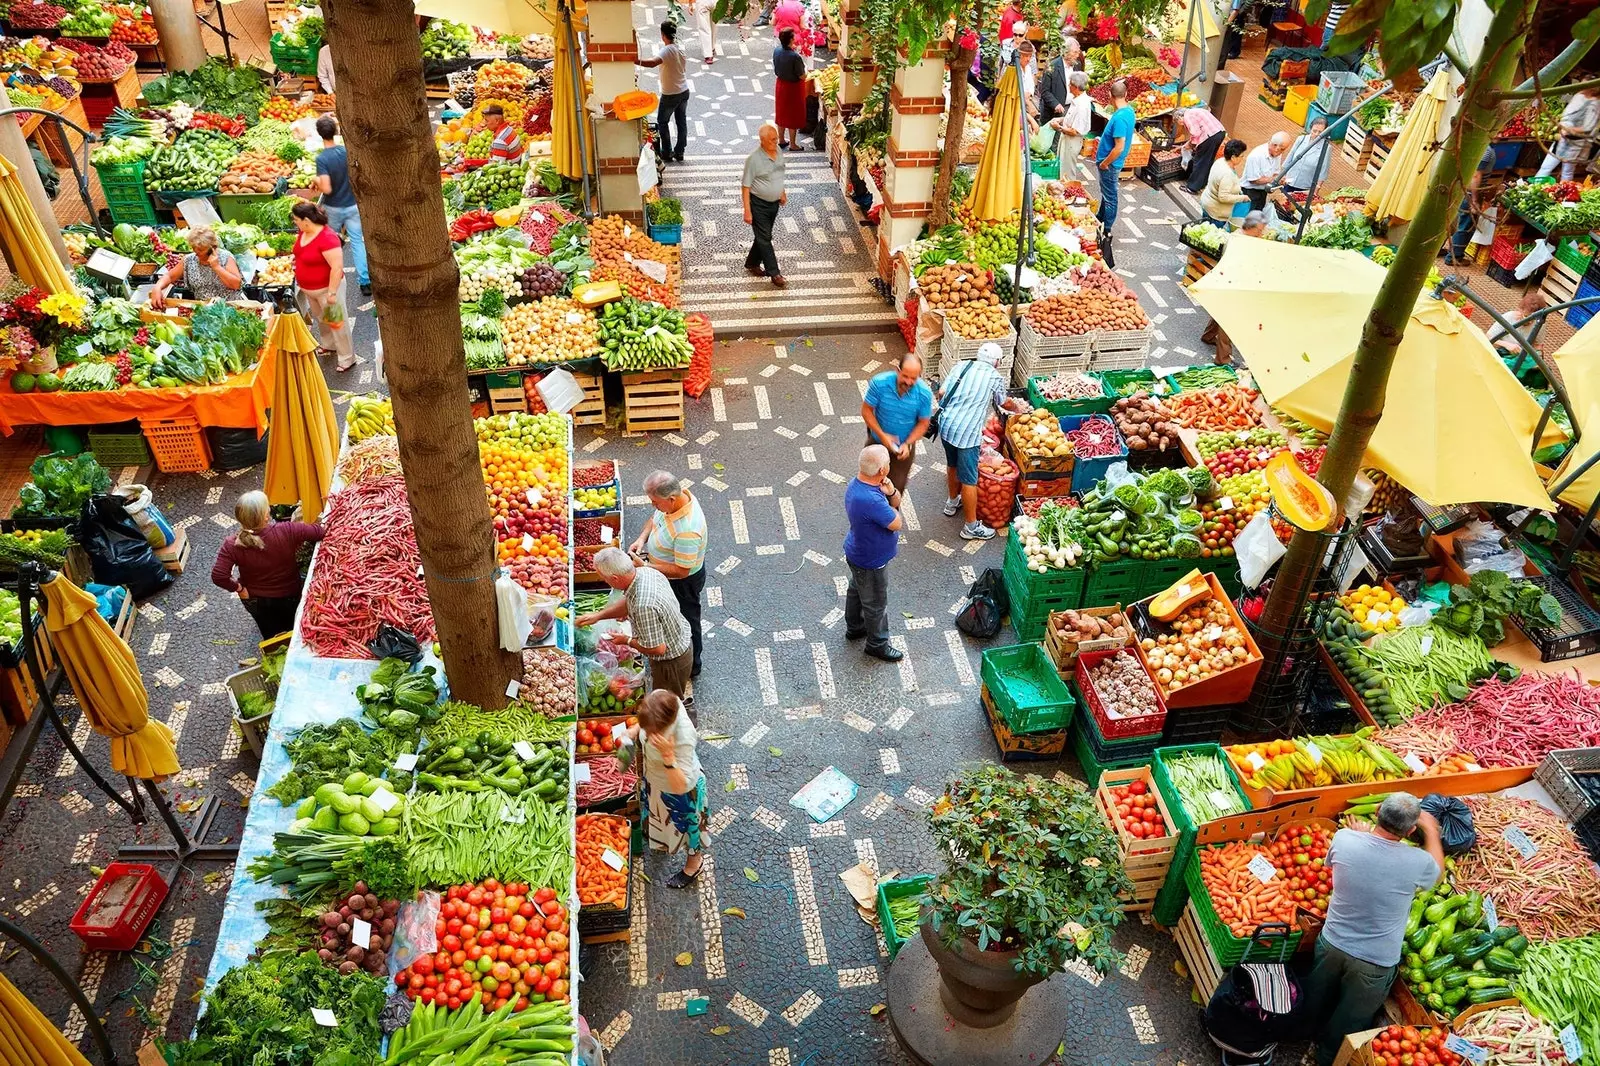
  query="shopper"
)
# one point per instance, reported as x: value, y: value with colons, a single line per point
x: 1115, y: 141
x: 339, y: 200
x: 762, y: 187
x: 789, y: 91
x: 1027, y: 81
x: 1262, y: 168
x: 705, y: 23
x: 674, y: 104
x: 792, y: 15
x: 1455, y: 253
x: 325, y: 68
x: 507, y: 146
x: 1222, y: 190
x: 1376, y: 875
x: 872, y: 505
x: 898, y: 408
x: 1308, y: 160
x: 659, y: 629
x: 1532, y: 303
x: 965, y: 400
x: 673, y: 541
x: 1072, y: 125
x: 319, y: 276
x: 265, y: 555
x: 209, y: 271
x: 1578, y: 123
x: 674, y: 788
x: 1200, y: 135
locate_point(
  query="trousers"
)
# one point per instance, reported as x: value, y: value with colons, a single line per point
x: 1108, y: 196
x: 273, y: 614
x: 687, y: 591
x: 346, y: 221
x: 1343, y: 992
x: 674, y: 107
x: 763, y: 214
x: 866, y: 604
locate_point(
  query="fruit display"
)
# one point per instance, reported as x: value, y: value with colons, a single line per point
x: 1046, y: 544
x: 1122, y: 687
x: 1446, y: 938
x: 1145, y: 423
x: 1313, y: 762
x: 1084, y: 312
x: 552, y: 330
x: 95, y: 63
x: 133, y: 25
x: 1138, y: 812
x: 1234, y: 502
x: 1038, y: 436
x: 502, y: 80
x: 493, y: 183
x: 1238, y: 894
x: 1374, y: 608
x: 499, y: 944
x: 979, y: 322
x: 637, y: 335
x: 524, y: 463
x: 282, y: 109
x: 1211, y: 445
x: 596, y: 498
x: 595, y: 736
x: 369, y: 417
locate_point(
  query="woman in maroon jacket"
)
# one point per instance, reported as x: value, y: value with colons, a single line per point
x: 264, y: 553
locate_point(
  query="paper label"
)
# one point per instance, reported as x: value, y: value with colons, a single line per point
x: 1225, y: 504
x: 627, y: 230
x: 512, y: 688
x: 85, y: 348
x: 524, y: 751
x: 612, y: 859
x: 605, y: 534
x: 1491, y: 914
x: 1212, y: 632
x: 581, y: 773
x: 1314, y: 751
x: 1262, y: 867
x: 162, y: 349
x: 1427, y: 643
x: 528, y: 542
x: 1466, y: 1049
x: 619, y: 730
x: 408, y: 761
x: 384, y: 800
x: 1411, y: 759
x: 535, y: 498
x: 361, y: 933
x: 1474, y: 767
x: 1222, y: 800
x: 1570, y: 1044
x: 1184, y: 590
x: 1514, y: 835
x: 1255, y: 760
x: 574, y: 317
x: 324, y: 1016
x: 514, y: 815
x: 1119, y: 516
x: 538, y: 216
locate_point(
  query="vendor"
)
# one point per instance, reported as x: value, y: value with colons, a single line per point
x: 1578, y: 122
x: 507, y: 144
x: 209, y: 272
x: 1375, y: 877
x: 1306, y: 165
x: 319, y: 278
x: 265, y: 555
x: 674, y: 794
x: 325, y: 68
x: 1200, y: 135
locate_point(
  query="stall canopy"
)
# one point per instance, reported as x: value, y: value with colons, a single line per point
x: 105, y: 676
x: 305, y: 432
x: 1399, y: 187
x: 997, y: 188
x: 1579, y: 363
x: 27, y: 1038
x: 565, y: 145
x: 1457, y: 427
x: 520, y: 17
x: 24, y: 237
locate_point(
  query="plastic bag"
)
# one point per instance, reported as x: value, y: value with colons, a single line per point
x: 1481, y: 546
x: 236, y: 449
x: 649, y: 175
x: 392, y: 642
x: 1257, y: 547
x: 1419, y: 613
x: 118, y: 551
x: 1542, y: 253
x: 512, y: 603
x: 1456, y: 831
x: 415, y: 931
x: 986, y: 607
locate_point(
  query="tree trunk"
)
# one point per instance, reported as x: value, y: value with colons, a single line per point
x: 1367, y: 388
x: 954, y: 126
x: 394, y: 170
x: 181, y: 46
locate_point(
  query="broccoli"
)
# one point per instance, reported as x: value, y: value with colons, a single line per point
x: 290, y: 787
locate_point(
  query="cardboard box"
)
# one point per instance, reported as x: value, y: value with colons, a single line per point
x: 1353, y: 1052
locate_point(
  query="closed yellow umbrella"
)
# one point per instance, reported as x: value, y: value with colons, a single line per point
x: 565, y: 145
x: 996, y: 191
x: 27, y: 1038
x: 1398, y: 190
x: 105, y: 676
x: 1579, y: 363
x: 23, y: 235
x: 304, y: 444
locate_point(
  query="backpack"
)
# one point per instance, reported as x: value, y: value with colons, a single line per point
x: 987, y: 606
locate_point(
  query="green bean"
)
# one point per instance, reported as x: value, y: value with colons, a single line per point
x: 1423, y: 663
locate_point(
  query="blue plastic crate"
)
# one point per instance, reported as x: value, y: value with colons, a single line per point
x: 1578, y: 317
x: 1086, y: 472
x: 1505, y: 154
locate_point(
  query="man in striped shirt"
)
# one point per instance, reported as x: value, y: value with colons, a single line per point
x: 659, y: 629
x: 507, y: 145
x: 673, y: 541
x: 966, y: 397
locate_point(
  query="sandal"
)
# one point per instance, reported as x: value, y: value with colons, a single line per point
x: 683, y: 880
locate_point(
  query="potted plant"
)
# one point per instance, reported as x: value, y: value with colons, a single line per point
x: 1031, y: 882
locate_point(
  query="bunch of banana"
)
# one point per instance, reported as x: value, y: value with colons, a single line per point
x: 370, y: 417
x: 1343, y: 759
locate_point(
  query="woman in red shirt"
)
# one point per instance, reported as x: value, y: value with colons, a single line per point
x: 265, y: 554
x: 319, y: 275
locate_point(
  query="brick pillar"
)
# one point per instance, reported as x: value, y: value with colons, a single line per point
x: 612, y: 50
x: 855, y: 59
x: 916, y: 101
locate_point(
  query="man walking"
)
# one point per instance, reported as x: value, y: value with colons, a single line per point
x: 1053, y: 94
x: 673, y: 541
x: 762, y: 187
x: 659, y: 629
x: 872, y: 504
x: 898, y: 408
x: 674, y: 104
x: 1112, y: 152
x: 338, y: 200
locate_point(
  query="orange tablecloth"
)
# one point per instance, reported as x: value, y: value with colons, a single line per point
x: 241, y: 402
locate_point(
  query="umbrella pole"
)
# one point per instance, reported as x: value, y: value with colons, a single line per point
x: 42, y: 956
x: 1025, y: 222
x: 185, y: 847
x: 579, y: 104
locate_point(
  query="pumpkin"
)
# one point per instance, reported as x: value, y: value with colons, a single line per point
x: 1188, y: 590
x: 1299, y: 497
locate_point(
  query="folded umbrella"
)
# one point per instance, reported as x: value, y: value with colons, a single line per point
x: 304, y: 445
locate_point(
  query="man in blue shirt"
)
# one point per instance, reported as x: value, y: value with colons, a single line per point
x: 333, y: 181
x: 897, y: 408
x: 1115, y: 141
x: 872, y: 504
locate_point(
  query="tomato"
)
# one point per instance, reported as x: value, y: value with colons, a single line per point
x: 544, y: 894
x: 526, y: 909
x: 542, y: 985
x: 475, y: 896
x: 1138, y: 788
x: 423, y: 965
x: 556, y: 941
x: 555, y: 921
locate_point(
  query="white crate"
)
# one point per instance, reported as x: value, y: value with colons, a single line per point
x: 953, y: 349
x: 1122, y: 349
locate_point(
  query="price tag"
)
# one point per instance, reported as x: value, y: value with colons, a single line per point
x: 1411, y: 759
x: 512, y: 688
x: 1225, y: 504
x: 1491, y: 914
x: 619, y: 730
x: 1466, y: 1049
x: 384, y: 800
x: 612, y: 859
x: 538, y: 216
x: 514, y: 815
x: 1222, y: 801
x: 574, y: 317
x: 1314, y: 751
x: 1212, y: 632
x: 1262, y: 867
x: 1184, y: 591
x: 1473, y: 767
x: 361, y: 933
x: 1119, y: 515
x: 524, y: 751
x: 324, y: 1016
x: 1255, y: 760
x: 408, y: 761
x: 161, y: 350
x: 627, y: 231
x: 1570, y: 1044
x: 1427, y: 643
x: 535, y: 498
x: 85, y: 348
x: 606, y: 534
x: 1514, y: 835
x: 581, y: 773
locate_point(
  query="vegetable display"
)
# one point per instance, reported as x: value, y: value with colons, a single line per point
x: 979, y: 322
x: 1554, y: 892
x: 1138, y: 812
x: 1231, y: 407
x: 1452, y: 959
x: 1085, y: 312
x: 551, y: 330
x: 466, y: 836
x: 1513, y: 723
x: 1203, y: 786
x: 60, y: 486
x: 1145, y: 423
x: 462, y: 722
x: 636, y: 335
x: 1123, y: 687
x: 1512, y: 1037
x: 1481, y: 607
x: 540, y: 1035
x: 603, y: 848
x: 1064, y: 386
x: 1405, y: 1045
x: 1240, y: 898
x: 1200, y: 643
x: 1046, y: 541
x: 1560, y: 982
x: 1423, y: 663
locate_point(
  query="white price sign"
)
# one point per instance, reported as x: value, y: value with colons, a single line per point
x: 408, y: 761
x: 1427, y: 643
x: 1314, y: 751
x: 1570, y: 1044
x: 524, y: 751
x: 1262, y: 867
x: 606, y: 534
x: 1466, y: 1049
x: 1225, y: 504
x: 1491, y: 914
x: 612, y: 859
x: 85, y: 348
x: 514, y: 815
x: 1411, y: 759
x: 384, y: 800
x: 1255, y: 760
x: 581, y: 773
x: 361, y: 933
x: 512, y: 688
x: 324, y: 1016
x: 1517, y: 838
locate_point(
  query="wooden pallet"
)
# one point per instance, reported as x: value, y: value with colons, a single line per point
x: 1198, y: 266
x: 1204, y: 969
x: 1380, y: 153
x: 592, y: 411
x: 1049, y: 745
x: 652, y: 400
x: 1560, y: 283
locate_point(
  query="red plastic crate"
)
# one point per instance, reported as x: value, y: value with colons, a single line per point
x: 1507, y: 251
x: 130, y: 924
x: 1117, y: 728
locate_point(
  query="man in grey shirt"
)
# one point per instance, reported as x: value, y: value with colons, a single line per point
x: 674, y: 103
x: 763, y: 191
x: 1376, y: 875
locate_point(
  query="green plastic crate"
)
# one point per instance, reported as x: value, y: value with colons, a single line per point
x: 1115, y: 379
x: 1175, y: 386
x: 1091, y: 764
x: 1131, y: 580
x: 1576, y: 252
x: 1090, y: 406
x: 1229, y: 949
x: 128, y: 201
x: 119, y: 449
x: 294, y: 60
x: 121, y: 172
x: 888, y: 892
x: 1175, y: 891
x: 1026, y: 689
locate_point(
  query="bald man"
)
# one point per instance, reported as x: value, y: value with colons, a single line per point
x: 898, y: 408
x: 872, y: 504
x: 762, y: 187
x: 1262, y: 167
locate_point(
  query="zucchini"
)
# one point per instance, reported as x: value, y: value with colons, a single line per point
x: 1484, y: 980
x: 1505, y: 931
x: 1516, y: 945
x: 1502, y: 961
x: 1437, y: 968
x: 1434, y: 1002
x: 1456, y: 979
x: 1488, y: 994
x: 1454, y: 996
x: 1437, y: 912
x: 1430, y: 947
x: 1472, y: 912
x: 1480, y: 947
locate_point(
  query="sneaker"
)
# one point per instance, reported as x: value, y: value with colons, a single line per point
x: 977, y: 531
x: 366, y: 290
x: 951, y: 506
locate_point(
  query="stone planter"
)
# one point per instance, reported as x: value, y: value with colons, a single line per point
x: 978, y: 988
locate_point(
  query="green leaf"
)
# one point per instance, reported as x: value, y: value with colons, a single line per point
x: 776, y: 753
x: 722, y: 1030
x: 1587, y: 26
x: 751, y: 876
x: 731, y: 786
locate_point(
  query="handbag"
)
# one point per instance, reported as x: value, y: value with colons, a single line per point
x: 933, y: 423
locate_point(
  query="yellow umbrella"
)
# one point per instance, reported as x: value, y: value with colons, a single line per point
x: 565, y: 145
x: 1398, y: 190
x: 305, y: 433
x: 997, y: 189
x: 23, y: 235
x: 520, y: 17
x: 105, y: 676
x: 27, y: 1038
x: 1579, y: 363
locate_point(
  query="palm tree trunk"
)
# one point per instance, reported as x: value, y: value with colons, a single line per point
x: 394, y: 170
x: 955, y: 125
x: 1367, y: 388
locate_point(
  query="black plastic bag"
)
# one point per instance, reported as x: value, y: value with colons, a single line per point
x: 1456, y: 831
x: 235, y: 449
x: 393, y: 642
x: 987, y: 606
x: 118, y: 550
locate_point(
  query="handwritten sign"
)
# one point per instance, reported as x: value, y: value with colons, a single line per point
x: 1517, y: 838
x: 1412, y: 760
x: 1491, y: 915
x: 1262, y: 867
x: 581, y: 773
x: 1466, y: 1049
x: 514, y: 815
x: 384, y: 800
x: 1570, y: 1044
x: 512, y: 688
x: 1314, y: 751
x: 1255, y: 760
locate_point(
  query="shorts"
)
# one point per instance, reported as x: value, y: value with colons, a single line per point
x: 964, y: 461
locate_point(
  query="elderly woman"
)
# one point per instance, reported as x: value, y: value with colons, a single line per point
x: 789, y: 91
x: 264, y: 554
x: 1222, y: 190
x: 209, y: 272
x: 319, y: 275
x: 674, y: 788
x: 1306, y: 165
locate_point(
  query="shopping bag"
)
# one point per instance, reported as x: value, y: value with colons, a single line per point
x: 1542, y: 253
x: 649, y: 174
x: 512, y: 604
x: 986, y: 607
x: 1257, y: 547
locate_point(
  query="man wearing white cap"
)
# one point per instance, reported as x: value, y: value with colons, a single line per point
x: 965, y: 399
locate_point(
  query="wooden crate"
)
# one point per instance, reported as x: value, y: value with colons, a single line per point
x: 506, y: 401
x: 1065, y: 653
x: 1145, y: 859
x: 1204, y: 969
x: 1560, y: 283
x: 592, y: 411
x: 49, y: 140
x: 1049, y: 745
x: 1380, y: 153
x: 652, y: 400
x: 1357, y: 147
x: 1198, y: 266
x: 18, y: 694
x: 276, y: 10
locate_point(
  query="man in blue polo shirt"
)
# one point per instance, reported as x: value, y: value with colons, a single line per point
x: 1115, y: 140
x: 872, y: 504
x: 897, y: 409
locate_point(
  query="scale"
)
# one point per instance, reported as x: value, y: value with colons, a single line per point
x: 112, y: 270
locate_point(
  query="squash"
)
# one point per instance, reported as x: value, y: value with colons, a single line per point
x: 595, y: 293
x: 1188, y: 590
x: 1299, y: 497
